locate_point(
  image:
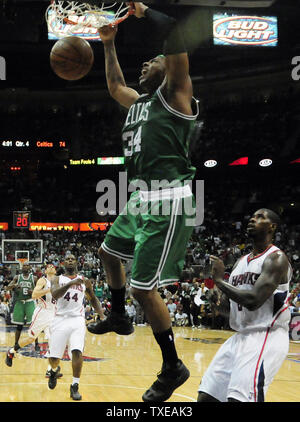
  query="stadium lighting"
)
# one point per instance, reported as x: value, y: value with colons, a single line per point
x: 243, y: 161
x: 210, y: 163
x: 265, y: 162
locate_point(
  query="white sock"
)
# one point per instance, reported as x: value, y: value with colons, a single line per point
x: 12, y: 350
x: 75, y: 381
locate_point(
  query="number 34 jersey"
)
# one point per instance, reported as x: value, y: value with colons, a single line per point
x: 156, y: 142
x: 71, y: 303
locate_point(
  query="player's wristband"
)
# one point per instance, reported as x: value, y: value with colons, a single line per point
x: 169, y: 31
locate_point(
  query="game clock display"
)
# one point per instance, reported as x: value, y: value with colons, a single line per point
x: 21, y: 219
x: 31, y: 145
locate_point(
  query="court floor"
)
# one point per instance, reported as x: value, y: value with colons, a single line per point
x: 120, y: 368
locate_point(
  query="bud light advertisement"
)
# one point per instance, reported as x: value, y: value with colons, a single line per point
x: 239, y: 30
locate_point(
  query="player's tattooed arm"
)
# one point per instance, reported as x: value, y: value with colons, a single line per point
x: 114, y: 73
x: 93, y: 299
x: 177, y: 86
x: 114, y: 76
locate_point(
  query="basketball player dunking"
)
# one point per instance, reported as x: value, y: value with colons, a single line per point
x: 156, y: 137
x: 258, y: 289
x: 42, y: 315
x: 68, y: 326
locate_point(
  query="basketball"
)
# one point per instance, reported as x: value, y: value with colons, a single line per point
x: 71, y: 58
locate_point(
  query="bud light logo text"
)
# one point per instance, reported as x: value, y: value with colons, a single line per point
x: 245, y: 30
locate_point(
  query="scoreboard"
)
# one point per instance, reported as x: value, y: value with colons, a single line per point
x: 37, y: 145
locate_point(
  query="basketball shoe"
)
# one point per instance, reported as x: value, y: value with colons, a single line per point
x: 167, y: 381
x: 9, y: 358
x: 48, y: 373
x: 74, y: 393
x: 52, y: 381
x: 119, y: 323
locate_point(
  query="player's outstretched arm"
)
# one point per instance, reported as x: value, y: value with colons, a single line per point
x: 39, y: 290
x: 114, y: 76
x: 177, y: 90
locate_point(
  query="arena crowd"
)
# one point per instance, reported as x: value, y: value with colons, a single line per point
x: 187, y: 299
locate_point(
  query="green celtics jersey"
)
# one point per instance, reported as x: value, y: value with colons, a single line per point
x: 156, y: 142
x: 23, y: 286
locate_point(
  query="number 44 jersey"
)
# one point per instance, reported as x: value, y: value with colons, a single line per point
x: 71, y: 303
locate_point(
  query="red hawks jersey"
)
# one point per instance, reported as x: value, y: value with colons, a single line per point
x: 71, y: 303
x: 47, y: 301
x: 274, y: 312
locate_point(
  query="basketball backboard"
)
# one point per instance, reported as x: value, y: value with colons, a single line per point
x: 15, y: 249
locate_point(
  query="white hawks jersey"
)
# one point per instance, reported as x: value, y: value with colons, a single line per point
x: 274, y: 312
x: 71, y: 303
x: 47, y: 301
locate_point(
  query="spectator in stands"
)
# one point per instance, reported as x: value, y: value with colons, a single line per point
x: 295, y: 305
x: 181, y: 318
x: 172, y: 309
x: 185, y: 300
x: 106, y: 306
x: 199, y: 304
x: 140, y: 315
x: 99, y: 290
x: 130, y: 309
x: 89, y: 313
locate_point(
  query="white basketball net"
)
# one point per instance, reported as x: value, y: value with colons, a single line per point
x: 65, y: 18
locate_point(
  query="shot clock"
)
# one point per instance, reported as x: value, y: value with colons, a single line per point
x: 21, y: 219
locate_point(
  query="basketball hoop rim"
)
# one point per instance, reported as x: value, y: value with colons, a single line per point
x: 74, y: 6
x: 22, y: 261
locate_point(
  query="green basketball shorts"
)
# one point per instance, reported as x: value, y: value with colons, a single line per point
x: 153, y: 230
x: 23, y: 311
